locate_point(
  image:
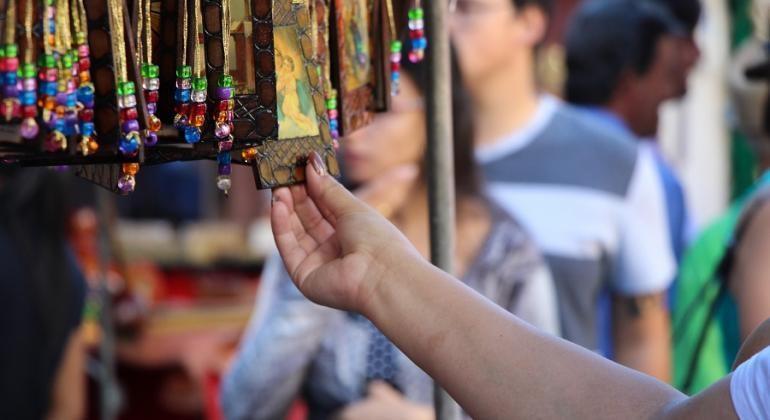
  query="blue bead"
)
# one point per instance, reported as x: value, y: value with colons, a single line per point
x: 60, y: 124
x: 11, y: 78
x: 129, y: 145
x: 71, y: 100
x: 224, y: 158
x: 85, y: 94
x: 419, y: 43
x: 334, y: 125
x: 87, y: 128
x: 192, y: 134
x: 50, y: 89
x: 28, y: 97
x: 183, y: 95
x: 395, y: 76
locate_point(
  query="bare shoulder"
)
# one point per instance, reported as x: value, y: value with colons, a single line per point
x: 756, y: 342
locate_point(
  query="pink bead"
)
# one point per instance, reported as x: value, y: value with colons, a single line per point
x: 29, y: 84
x: 222, y: 130
x: 333, y: 114
x: 395, y: 57
x: 71, y: 86
x: 51, y: 75
x: 83, y: 51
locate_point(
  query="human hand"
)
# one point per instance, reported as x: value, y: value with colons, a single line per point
x: 335, y: 248
x: 388, y: 192
x: 384, y: 402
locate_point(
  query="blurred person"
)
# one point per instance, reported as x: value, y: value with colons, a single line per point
x: 344, y: 255
x: 722, y: 294
x: 591, y: 199
x: 687, y: 14
x: 338, y: 361
x: 42, y: 292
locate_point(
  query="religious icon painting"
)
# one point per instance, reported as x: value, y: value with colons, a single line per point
x: 355, y: 71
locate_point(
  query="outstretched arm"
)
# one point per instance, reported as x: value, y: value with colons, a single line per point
x: 341, y: 253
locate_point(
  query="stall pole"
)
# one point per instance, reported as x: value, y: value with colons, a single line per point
x: 441, y: 194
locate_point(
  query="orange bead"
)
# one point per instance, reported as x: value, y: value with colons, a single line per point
x: 249, y: 154
x: 93, y: 146
x: 198, y: 120
x: 130, y: 168
x: 154, y: 123
x: 60, y: 110
x: 50, y: 103
x: 84, y: 76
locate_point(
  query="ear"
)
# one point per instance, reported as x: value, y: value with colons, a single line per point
x: 533, y: 23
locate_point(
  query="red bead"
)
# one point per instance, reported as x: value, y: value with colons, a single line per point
x: 151, y: 96
x: 29, y: 111
x: 182, y: 109
x: 3, y: 64
x: 416, y: 33
x: 199, y: 108
x: 128, y: 114
x: 84, y: 64
x: 395, y: 67
x: 86, y: 114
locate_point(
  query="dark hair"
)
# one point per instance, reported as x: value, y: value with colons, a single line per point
x: 466, y: 173
x: 545, y: 5
x: 686, y: 12
x: 607, y: 38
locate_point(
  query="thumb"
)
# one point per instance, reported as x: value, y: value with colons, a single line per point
x: 329, y: 195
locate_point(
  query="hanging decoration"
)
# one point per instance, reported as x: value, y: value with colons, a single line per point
x: 81, y: 77
x: 29, y: 128
x: 224, y: 111
x: 11, y: 106
x: 183, y: 92
x: 150, y: 72
x: 417, y: 33
x: 197, y: 115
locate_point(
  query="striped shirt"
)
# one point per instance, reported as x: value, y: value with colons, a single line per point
x: 593, y: 202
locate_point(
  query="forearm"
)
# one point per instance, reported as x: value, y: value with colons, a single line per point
x: 495, y: 365
x: 642, y: 335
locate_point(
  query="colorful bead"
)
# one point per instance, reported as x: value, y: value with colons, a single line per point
x: 126, y: 184
x: 332, y: 114
x: 192, y: 134
x: 249, y: 154
x: 417, y: 34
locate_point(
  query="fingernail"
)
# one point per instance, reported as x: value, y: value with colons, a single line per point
x: 273, y: 200
x: 317, y: 163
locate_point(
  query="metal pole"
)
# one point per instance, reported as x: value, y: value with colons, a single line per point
x: 441, y: 194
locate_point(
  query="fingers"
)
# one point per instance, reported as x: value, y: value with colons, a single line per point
x: 331, y: 198
x: 309, y: 216
x: 285, y: 236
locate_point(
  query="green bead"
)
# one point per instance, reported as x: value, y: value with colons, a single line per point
x: 11, y: 50
x: 66, y: 61
x: 150, y: 71
x: 184, y: 72
x: 28, y: 70
x: 199, y: 83
x: 2, y: 51
x: 225, y: 80
x: 396, y: 46
x: 126, y: 88
x: 418, y: 13
x: 331, y: 103
x: 49, y: 61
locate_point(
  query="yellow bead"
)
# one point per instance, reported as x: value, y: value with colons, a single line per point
x: 198, y: 120
x: 249, y: 154
x: 154, y: 123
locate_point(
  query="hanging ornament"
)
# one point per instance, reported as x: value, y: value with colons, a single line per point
x: 48, y: 76
x: 130, y: 139
x: 223, y: 127
x: 65, y: 121
x: 197, y: 116
x: 10, y: 107
x: 417, y: 33
x: 333, y: 114
x: 149, y: 71
x: 81, y: 77
x: 183, y: 91
x: 28, y: 97
x: 395, y: 51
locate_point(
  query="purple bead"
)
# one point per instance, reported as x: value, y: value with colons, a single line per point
x: 222, y: 130
x: 152, y: 107
x: 151, y: 139
x: 224, y: 93
x: 335, y: 134
x: 225, y: 169
x: 11, y: 91
x: 130, y: 125
x: 29, y: 128
x: 126, y: 184
x: 225, y: 145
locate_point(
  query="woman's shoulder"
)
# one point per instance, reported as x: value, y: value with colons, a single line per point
x: 508, y: 253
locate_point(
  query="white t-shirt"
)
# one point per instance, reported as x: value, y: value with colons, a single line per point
x: 750, y: 387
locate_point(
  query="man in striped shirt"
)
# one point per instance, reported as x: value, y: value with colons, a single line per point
x: 588, y: 195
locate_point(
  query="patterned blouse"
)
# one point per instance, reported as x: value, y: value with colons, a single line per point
x: 295, y: 348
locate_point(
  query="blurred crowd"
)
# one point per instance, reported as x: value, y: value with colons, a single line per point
x: 569, y: 214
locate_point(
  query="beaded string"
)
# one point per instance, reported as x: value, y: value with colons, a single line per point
x: 197, y: 115
x: 417, y: 33
x: 149, y: 71
x: 395, y: 52
x: 66, y: 120
x: 331, y: 94
x: 224, y: 114
x: 130, y: 140
x: 10, y: 107
x: 28, y: 97
x: 48, y: 76
x: 183, y: 92
x: 82, y: 78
